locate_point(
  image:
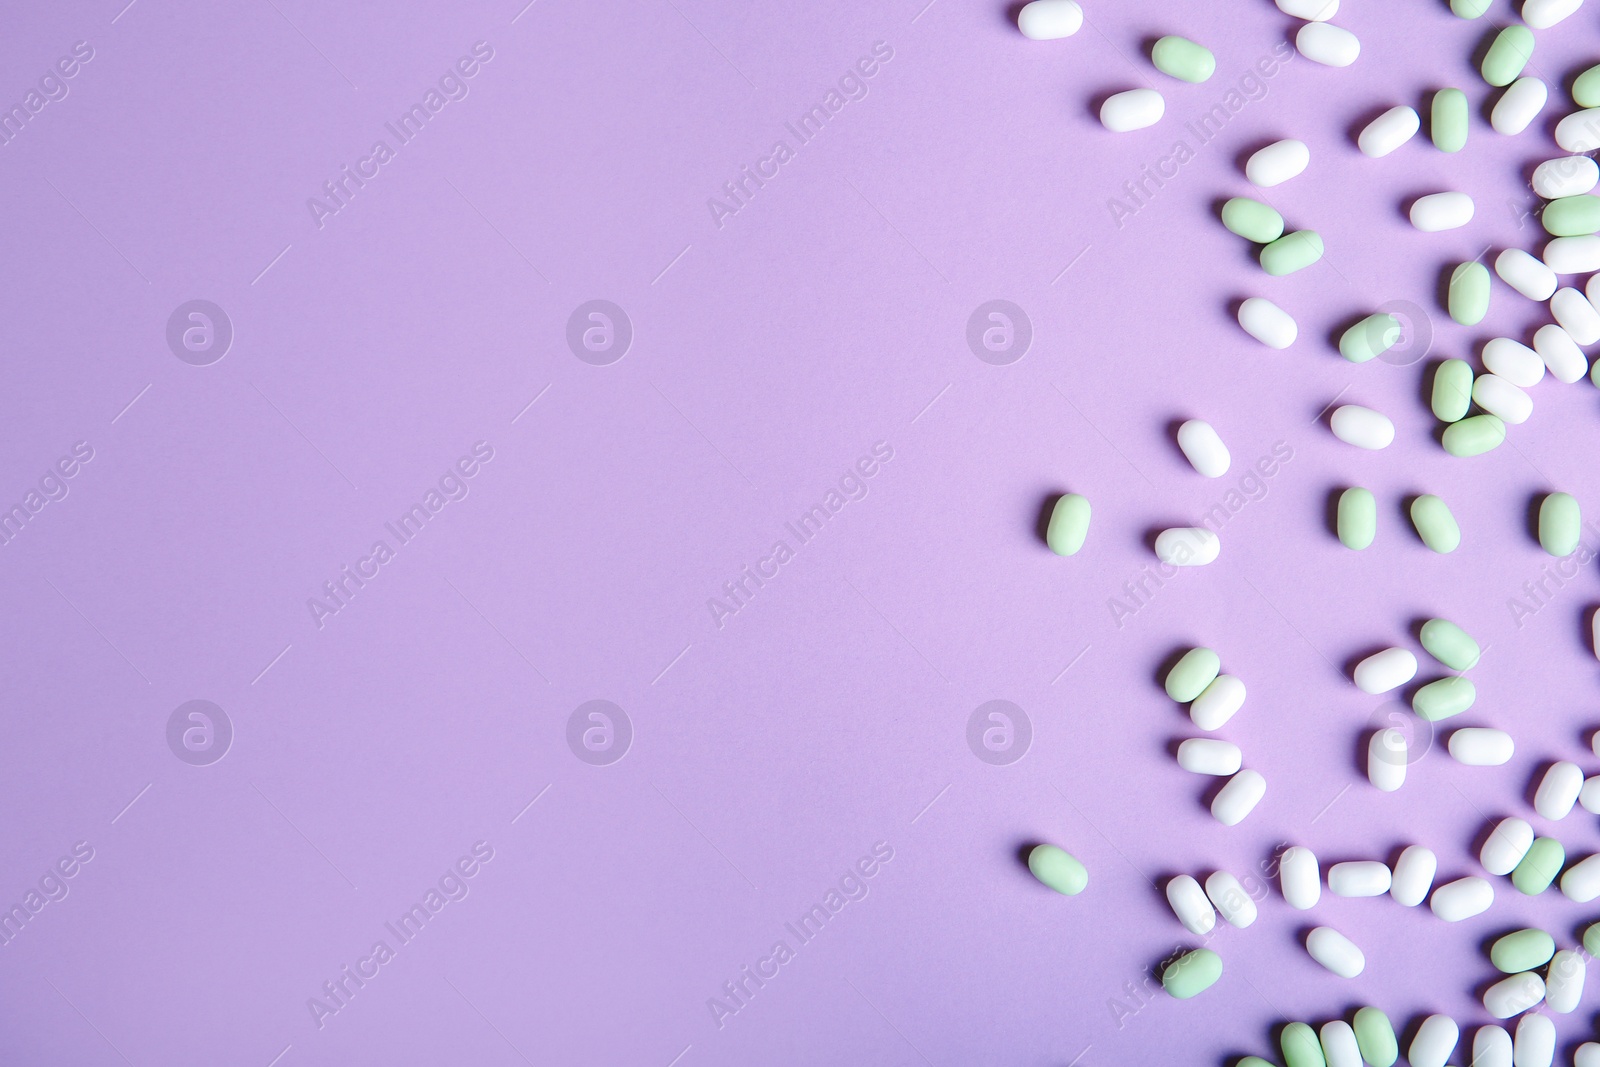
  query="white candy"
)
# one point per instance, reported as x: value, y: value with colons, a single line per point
x: 1581, y: 883
x: 1238, y: 798
x: 1561, y: 354
x: 1513, y: 995
x: 1591, y: 289
x: 1310, y: 10
x: 1386, y: 759
x: 1359, y: 878
x: 1188, y: 546
x: 1573, y: 312
x: 1565, y: 176
x: 1542, y: 14
x: 1535, y: 1045
x: 1228, y: 895
x: 1558, y: 791
x: 1441, y: 211
x: 1479, y: 746
x: 1519, y: 105
x: 1299, y: 878
x: 1436, y: 1039
x: 1491, y: 1047
x: 1330, y: 45
x: 1579, y: 132
x: 1573, y: 255
x: 1362, y: 427
x: 1339, y: 1044
x: 1499, y: 397
x: 1589, y: 795
x: 1563, y: 986
x: 1513, y: 361
x: 1217, y: 703
x: 1462, y: 899
x: 1203, y: 448
x: 1587, y: 1055
x: 1413, y: 876
x: 1277, y: 163
x: 1508, y: 842
x: 1388, y: 131
x: 1524, y: 273
x: 1268, y: 323
x: 1047, y: 20
x: 1386, y: 670
x: 1132, y: 110
x: 1190, y: 905
x: 1336, y: 952
x: 1205, y: 755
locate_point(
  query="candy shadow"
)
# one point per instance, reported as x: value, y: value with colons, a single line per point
x: 1535, y: 502
x: 1330, y: 511
x: 1406, y: 503
x: 1047, y: 508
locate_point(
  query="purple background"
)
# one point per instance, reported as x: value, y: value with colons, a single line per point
x: 769, y: 355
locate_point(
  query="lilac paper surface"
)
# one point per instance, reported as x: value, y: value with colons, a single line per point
x: 768, y: 751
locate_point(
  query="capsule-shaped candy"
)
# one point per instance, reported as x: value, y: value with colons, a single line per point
x: 1474, y: 436
x: 1573, y: 312
x: 1388, y: 131
x: 1535, y: 1044
x: 1229, y: 897
x: 1499, y: 397
x: 1255, y: 221
x: 1360, y: 878
x: 1386, y: 761
x: 1519, y: 105
x: 1295, y: 251
x: 1335, y: 951
x: 1191, y: 906
x: 1207, y: 755
x: 1559, y: 525
x: 1357, y: 517
x: 1325, y: 43
x: 1507, y: 55
x: 1444, y: 698
x: 1203, y: 448
x: 1370, y: 338
x: 1539, y: 867
x: 1491, y: 1047
x: 1513, y: 361
x: 1299, y: 877
x: 1339, y: 1044
x: 1542, y: 14
x: 1581, y: 882
x: 1187, y: 546
x: 1521, y: 950
x: 1413, y: 875
x: 1277, y: 163
x: 1558, y: 789
x: 1480, y: 746
x: 1589, y: 795
x: 1561, y: 354
x: 1300, y: 1046
x: 1239, y: 797
x: 1571, y: 216
x: 1565, y: 176
x: 1385, y: 670
x: 1447, y: 120
x: 1362, y: 427
x: 1310, y: 10
x: 1462, y: 899
x: 1195, y: 670
x: 1047, y: 20
x: 1524, y: 273
x: 1267, y: 322
x: 1467, y: 298
x: 1442, y: 211
x: 1183, y: 59
x: 1449, y: 644
x: 1563, y: 983
x: 1436, y: 1039
x: 1452, y: 390
x: 1069, y: 524
x: 1579, y: 132
x: 1513, y: 995
x: 1434, y: 523
x: 1504, y: 848
x: 1192, y: 973
x: 1573, y: 255
x: 1134, y: 109
x: 1376, y: 1037
x: 1587, y: 1054
x: 1058, y: 869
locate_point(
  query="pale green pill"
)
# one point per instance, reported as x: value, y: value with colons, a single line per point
x: 1252, y: 220
x: 1468, y: 301
x: 1448, y: 121
x: 1058, y: 869
x: 1301, y: 1048
x: 1510, y: 52
x: 1591, y: 940
x: 1572, y: 216
x: 1069, y: 525
x: 1540, y: 866
x: 1586, y: 88
x: 1475, y: 436
x: 1522, y: 950
x: 1192, y: 973
x: 1254, y: 1061
x: 1434, y: 523
x: 1559, y: 524
x: 1450, y: 644
x: 1291, y: 252
x: 1357, y: 519
x: 1375, y: 1038
x: 1183, y: 59
x: 1444, y: 699
x: 1370, y: 338
x: 1452, y: 390
x: 1469, y: 9
x: 1189, y: 677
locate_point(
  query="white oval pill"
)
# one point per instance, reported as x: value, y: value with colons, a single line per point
x: 1336, y: 952
x: 1386, y: 670
x: 1589, y: 795
x: 1513, y: 361
x: 1542, y: 14
x: 1134, y: 109
x: 1513, y: 995
x: 1573, y: 255
x: 1558, y: 790
x: 1563, y: 984
x: 1238, y: 798
x: 1229, y: 897
x: 1388, y: 131
x: 1491, y: 1047
x: 1573, y: 313
x: 1535, y: 1044
x: 1387, y: 757
x: 1524, y: 273
x: 1268, y: 323
x: 1436, y: 1039
x: 1277, y: 163
x: 1217, y: 703
x: 1207, y: 755
x: 1587, y: 1055
x: 1310, y: 10
x: 1499, y: 397
x: 1187, y: 546
x: 1203, y: 448
x: 1581, y: 882
x: 1462, y: 898
x: 1359, y: 878
x: 1339, y: 1044
x: 1190, y: 905
x: 1480, y: 746
x: 1565, y: 176
x: 1047, y: 20
x: 1362, y: 427
x: 1413, y: 875
x: 1579, y: 132
x: 1519, y: 105
x: 1561, y: 354
x: 1441, y: 211
x: 1507, y: 843
x: 1332, y: 46
x: 1299, y: 877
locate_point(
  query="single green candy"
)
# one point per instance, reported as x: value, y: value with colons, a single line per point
x: 1586, y: 88
x: 1434, y: 523
x: 1253, y: 1061
x: 1475, y: 436
x: 1069, y: 525
x: 1443, y: 699
x: 1510, y: 52
x: 1450, y: 644
x: 1189, y: 677
x: 1522, y: 950
x: 1448, y: 122
x: 1571, y: 216
x: 1559, y: 524
x: 1301, y: 1048
x: 1468, y: 301
x: 1591, y: 939
x: 1357, y: 520
x: 1469, y: 9
x: 1252, y: 220
x: 1291, y: 252
x: 1193, y: 972
x: 1540, y: 866
x: 1375, y: 1038
x: 1452, y: 390
x: 1058, y: 869
x: 1370, y: 338
x: 1594, y: 372
x: 1183, y: 59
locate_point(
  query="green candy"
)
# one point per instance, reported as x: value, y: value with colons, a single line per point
x: 1450, y: 644
x: 1475, y: 436
x: 1591, y: 939
x: 1375, y: 1038
x: 1559, y: 524
x: 1189, y: 677
x: 1291, y: 252
x: 1069, y: 525
x: 1058, y: 869
x: 1192, y: 973
x: 1469, y: 9
x: 1370, y: 338
x: 1357, y: 519
x: 1522, y: 950
x: 1253, y: 1061
x: 1571, y: 216
x: 1443, y: 699
x: 1452, y: 390
x: 1586, y: 88
x: 1540, y: 866
x: 1252, y: 220
x: 1434, y: 523
x: 1448, y: 122
x: 1183, y: 59
x: 1468, y: 300
x: 1510, y: 52
x: 1301, y: 1047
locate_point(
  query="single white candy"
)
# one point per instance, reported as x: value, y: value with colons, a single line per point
x: 1480, y: 746
x: 1573, y: 313
x: 1203, y: 448
x: 1310, y: 10
x: 1573, y: 255
x: 1587, y: 1055
x: 1441, y: 211
x: 1190, y: 905
x: 1558, y: 790
x: 1388, y: 131
x: 1332, y: 46
x: 1217, y: 703
x: 1238, y: 798
x: 1299, y: 878
x: 1207, y: 755
x: 1542, y: 14
x: 1362, y: 427
x: 1499, y: 397
x: 1187, y: 546
x: 1579, y: 132
x: 1436, y: 1039
x: 1336, y: 952
x: 1387, y: 758
x: 1339, y: 1044
x: 1513, y: 361
x: 1561, y: 354
x: 1535, y: 1045
x: 1268, y: 323
x: 1581, y: 882
x: 1462, y: 899
x: 1563, y: 984
x: 1524, y: 273
x: 1519, y: 105
x: 1513, y: 995
x: 1565, y: 176
x: 1507, y: 843
x: 1591, y: 289
x: 1491, y: 1047
x: 1359, y: 878
x: 1277, y: 163
x: 1589, y: 795
x: 1228, y: 896
x: 1047, y: 20
x: 1413, y: 875
x: 1386, y: 670
x: 1132, y: 110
